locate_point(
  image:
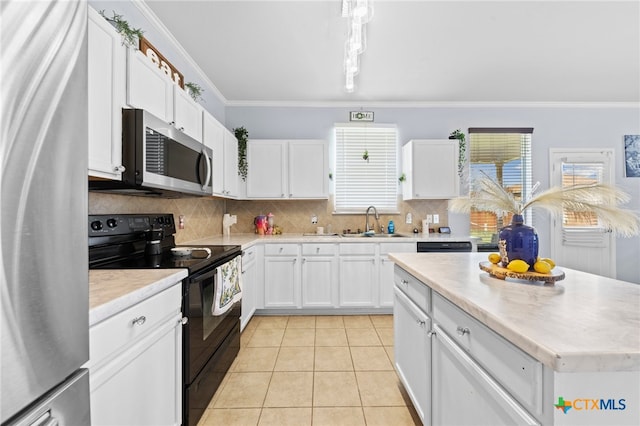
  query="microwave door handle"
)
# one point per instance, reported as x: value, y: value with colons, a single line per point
x: 208, y: 160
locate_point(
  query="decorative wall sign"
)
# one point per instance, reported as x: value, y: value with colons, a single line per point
x: 632, y: 155
x: 361, y: 116
x: 156, y: 57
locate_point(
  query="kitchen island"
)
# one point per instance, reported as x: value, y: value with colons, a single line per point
x: 567, y: 353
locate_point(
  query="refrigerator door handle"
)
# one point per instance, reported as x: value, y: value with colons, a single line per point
x: 46, y: 420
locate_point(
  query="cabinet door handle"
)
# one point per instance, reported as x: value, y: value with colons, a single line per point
x: 295, y: 260
x: 139, y: 320
x: 405, y: 282
x: 183, y: 320
x: 462, y: 330
x: 119, y: 168
x: 420, y: 323
x: 304, y: 259
x: 172, y: 123
x: 431, y: 333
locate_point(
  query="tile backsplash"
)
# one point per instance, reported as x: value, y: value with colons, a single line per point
x: 294, y: 216
x: 203, y: 216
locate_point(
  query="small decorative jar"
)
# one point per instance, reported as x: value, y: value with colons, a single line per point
x: 518, y: 241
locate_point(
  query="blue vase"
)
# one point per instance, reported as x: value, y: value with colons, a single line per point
x: 518, y: 241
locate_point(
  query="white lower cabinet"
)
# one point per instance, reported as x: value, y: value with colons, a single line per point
x: 358, y: 275
x: 319, y: 276
x: 281, y: 276
x: 136, y: 364
x: 249, y: 283
x: 412, y: 352
x: 464, y: 393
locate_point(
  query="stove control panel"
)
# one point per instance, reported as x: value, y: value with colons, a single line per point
x: 124, y: 224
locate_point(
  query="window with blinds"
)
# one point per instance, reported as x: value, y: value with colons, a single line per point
x: 503, y: 154
x: 581, y: 173
x: 365, y: 168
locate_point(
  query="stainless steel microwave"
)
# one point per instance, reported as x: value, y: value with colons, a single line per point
x: 159, y: 160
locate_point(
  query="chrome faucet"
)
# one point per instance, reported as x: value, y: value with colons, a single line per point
x: 368, y: 228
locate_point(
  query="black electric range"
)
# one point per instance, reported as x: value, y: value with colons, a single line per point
x: 211, y: 339
x: 122, y: 241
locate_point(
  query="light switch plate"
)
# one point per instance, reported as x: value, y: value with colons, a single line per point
x: 408, y: 218
x: 436, y: 218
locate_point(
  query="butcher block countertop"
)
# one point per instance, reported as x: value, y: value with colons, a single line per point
x: 584, y: 323
x: 113, y: 290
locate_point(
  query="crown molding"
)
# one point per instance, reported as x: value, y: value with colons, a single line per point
x: 417, y: 104
x: 157, y: 23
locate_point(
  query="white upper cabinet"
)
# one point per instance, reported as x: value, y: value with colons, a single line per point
x: 225, y: 156
x: 308, y: 169
x: 149, y: 88
x: 213, y: 137
x: 187, y: 114
x: 106, y: 93
x: 230, y: 164
x: 288, y: 169
x: 431, y: 169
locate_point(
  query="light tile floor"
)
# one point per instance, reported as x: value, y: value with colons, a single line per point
x: 313, y: 370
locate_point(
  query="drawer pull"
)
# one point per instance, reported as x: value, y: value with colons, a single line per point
x: 431, y: 333
x: 139, y: 321
x: 462, y: 331
x: 420, y: 323
x: 405, y: 282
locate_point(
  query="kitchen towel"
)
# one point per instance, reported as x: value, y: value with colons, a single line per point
x: 228, y: 286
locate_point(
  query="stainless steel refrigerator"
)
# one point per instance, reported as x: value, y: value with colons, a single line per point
x: 43, y: 205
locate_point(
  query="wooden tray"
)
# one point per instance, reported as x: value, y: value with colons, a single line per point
x: 499, y: 272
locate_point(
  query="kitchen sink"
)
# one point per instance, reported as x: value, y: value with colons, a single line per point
x: 363, y: 235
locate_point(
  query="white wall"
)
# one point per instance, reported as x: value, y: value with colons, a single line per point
x: 554, y: 127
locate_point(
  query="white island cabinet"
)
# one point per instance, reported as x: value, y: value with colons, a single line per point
x: 516, y: 352
x: 136, y: 360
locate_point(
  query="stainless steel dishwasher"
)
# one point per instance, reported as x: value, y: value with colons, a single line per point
x: 443, y: 246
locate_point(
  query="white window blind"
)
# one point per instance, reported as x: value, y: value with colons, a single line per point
x: 360, y: 182
x: 503, y: 154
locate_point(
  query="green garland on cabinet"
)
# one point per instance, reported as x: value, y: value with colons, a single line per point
x: 243, y: 136
x: 129, y: 34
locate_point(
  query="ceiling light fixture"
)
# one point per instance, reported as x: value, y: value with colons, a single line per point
x: 359, y: 13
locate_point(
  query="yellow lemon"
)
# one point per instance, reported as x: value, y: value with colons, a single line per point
x: 494, y: 258
x: 518, y: 266
x: 542, y: 267
x: 549, y: 261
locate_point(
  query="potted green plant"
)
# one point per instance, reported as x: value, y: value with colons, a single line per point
x: 129, y: 34
x: 462, y: 148
x: 243, y: 136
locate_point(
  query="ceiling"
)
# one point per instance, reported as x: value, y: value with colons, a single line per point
x: 270, y: 52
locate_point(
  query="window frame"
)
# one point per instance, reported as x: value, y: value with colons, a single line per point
x: 388, y: 178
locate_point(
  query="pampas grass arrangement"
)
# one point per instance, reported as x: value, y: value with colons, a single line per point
x: 583, y: 200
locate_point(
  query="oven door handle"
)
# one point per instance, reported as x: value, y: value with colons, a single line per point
x: 204, y: 275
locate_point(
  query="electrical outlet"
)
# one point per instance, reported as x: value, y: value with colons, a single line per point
x: 408, y: 218
x: 436, y: 218
x: 314, y: 219
x: 430, y: 218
